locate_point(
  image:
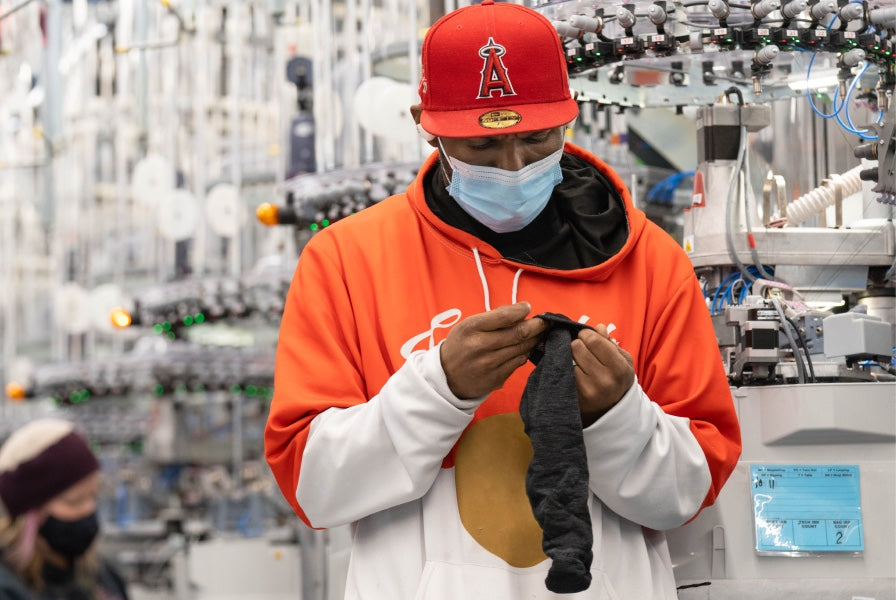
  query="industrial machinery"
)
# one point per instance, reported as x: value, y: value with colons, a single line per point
x: 137, y: 138
x: 800, y: 285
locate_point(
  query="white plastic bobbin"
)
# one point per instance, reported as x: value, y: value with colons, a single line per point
x: 392, y: 112
x: 177, y: 215
x: 224, y: 212
x: 152, y: 178
x: 71, y: 308
x: 381, y: 106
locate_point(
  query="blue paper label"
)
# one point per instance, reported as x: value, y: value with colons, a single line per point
x: 807, y: 508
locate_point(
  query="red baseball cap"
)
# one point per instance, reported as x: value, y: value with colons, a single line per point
x: 493, y: 69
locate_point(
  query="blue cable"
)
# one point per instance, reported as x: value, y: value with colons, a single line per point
x: 809, y: 71
x: 852, y: 128
x: 809, y: 93
x: 729, y: 291
x: 724, y: 294
x: 664, y: 191
x: 728, y: 299
x: 715, y: 309
x: 847, y: 127
x: 743, y: 294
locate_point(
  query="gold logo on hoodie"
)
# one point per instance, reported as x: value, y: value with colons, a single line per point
x: 490, y: 476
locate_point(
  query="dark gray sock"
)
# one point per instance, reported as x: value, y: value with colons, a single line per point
x: 557, y: 479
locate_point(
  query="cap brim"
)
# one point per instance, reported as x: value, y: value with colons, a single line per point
x: 467, y: 123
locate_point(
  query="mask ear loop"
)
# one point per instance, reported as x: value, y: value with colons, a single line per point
x: 427, y: 136
x: 448, y: 158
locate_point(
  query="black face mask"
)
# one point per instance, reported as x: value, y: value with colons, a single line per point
x: 70, y: 538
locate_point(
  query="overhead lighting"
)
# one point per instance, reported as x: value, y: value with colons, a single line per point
x: 822, y: 81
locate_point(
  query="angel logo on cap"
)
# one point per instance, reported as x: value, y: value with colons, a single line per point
x: 494, y: 73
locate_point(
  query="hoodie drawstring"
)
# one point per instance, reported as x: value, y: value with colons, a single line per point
x: 485, y: 293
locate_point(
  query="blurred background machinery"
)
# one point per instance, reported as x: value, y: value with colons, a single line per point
x: 162, y: 163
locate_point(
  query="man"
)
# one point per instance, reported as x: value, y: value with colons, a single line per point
x: 406, y: 340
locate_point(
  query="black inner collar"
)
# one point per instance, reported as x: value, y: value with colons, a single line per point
x: 583, y: 224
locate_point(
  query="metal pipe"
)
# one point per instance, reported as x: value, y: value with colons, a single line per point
x: 52, y: 131
x: 351, y: 150
x: 200, y: 106
x: 141, y: 27
x: 15, y: 9
x: 367, y: 150
x: 236, y: 47
x: 7, y: 272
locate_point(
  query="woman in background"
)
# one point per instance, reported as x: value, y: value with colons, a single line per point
x: 49, y: 486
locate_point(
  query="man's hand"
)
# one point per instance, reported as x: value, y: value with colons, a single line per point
x: 604, y: 372
x: 482, y: 351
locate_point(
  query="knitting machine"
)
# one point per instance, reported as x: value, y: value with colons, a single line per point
x: 795, y: 251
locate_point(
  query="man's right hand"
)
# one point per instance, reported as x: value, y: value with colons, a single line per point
x: 483, y: 350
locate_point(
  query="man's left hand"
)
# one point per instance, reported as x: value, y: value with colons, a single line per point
x: 604, y: 372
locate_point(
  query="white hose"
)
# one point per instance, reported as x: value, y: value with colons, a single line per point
x: 824, y: 196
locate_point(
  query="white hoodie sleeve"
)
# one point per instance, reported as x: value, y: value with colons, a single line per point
x: 385, y: 452
x: 645, y: 464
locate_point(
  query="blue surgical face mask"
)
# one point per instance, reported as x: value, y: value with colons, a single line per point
x: 504, y: 200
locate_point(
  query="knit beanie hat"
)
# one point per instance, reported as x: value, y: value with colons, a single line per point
x: 40, y: 461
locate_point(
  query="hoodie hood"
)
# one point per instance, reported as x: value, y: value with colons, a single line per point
x: 487, y: 253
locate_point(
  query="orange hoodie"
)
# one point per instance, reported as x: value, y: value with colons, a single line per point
x: 363, y: 425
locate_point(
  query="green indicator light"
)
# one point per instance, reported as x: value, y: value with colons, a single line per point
x: 159, y: 389
x: 199, y: 318
x: 157, y: 328
x: 579, y: 58
x: 188, y: 320
x: 325, y: 222
x: 251, y: 390
x: 313, y: 227
x: 235, y: 389
x: 171, y: 335
x: 597, y: 54
x: 166, y: 326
